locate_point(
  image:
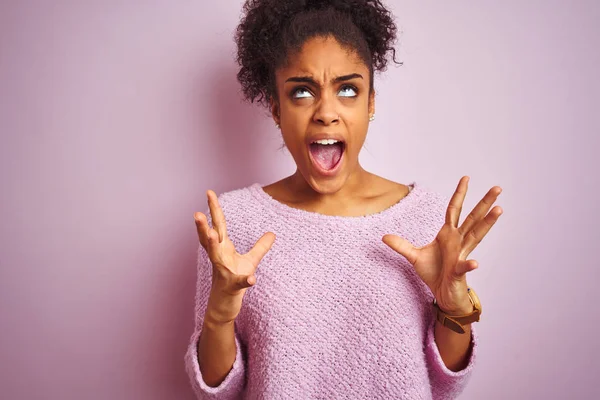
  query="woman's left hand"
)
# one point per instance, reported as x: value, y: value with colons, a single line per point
x: 443, y: 264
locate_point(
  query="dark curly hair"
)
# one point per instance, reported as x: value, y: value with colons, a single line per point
x: 272, y: 30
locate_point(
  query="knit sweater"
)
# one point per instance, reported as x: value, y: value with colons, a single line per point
x: 335, y: 313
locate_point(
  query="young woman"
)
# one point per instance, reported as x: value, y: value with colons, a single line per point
x: 363, y: 294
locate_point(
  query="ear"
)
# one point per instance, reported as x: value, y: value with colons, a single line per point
x: 275, y: 113
x: 372, y: 103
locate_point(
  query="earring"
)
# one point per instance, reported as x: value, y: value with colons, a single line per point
x: 277, y: 126
x: 372, y: 117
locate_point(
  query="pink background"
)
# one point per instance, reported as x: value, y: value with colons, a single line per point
x: 115, y: 119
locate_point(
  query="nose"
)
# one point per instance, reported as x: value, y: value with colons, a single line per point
x: 326, y: 112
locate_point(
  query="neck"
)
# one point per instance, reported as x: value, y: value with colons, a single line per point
x: 305, y: 193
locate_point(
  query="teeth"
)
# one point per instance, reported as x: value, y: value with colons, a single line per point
x: 326, y: 141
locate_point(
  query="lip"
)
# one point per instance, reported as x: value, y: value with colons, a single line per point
x: 321, y: 136
x: 315, y: 165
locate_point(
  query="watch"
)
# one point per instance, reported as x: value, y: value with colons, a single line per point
x: 457, y: 322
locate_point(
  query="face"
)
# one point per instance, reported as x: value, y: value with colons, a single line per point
x: 323, y: 110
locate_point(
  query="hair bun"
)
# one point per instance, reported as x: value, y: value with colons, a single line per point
x: 269, y: 29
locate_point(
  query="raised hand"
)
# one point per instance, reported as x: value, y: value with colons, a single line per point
x: 233, y: 272
x: 443, y: 264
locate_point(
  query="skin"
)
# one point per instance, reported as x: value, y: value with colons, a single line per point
x: 322, y: 103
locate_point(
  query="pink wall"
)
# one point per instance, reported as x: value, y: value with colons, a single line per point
x: 115, y: 119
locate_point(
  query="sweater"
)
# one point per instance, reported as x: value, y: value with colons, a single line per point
x: 335, y: 313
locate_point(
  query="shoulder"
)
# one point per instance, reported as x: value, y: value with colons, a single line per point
x: 430, y: 207
x: 419, y: 215
x: 422, y: 197
x: 233, y: 203
x: 430, y: 199
x: 237, y: 197
x: 238, y: 204
x: 245, y: 215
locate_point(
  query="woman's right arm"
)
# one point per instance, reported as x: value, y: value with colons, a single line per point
x: 205, y: 363
x: 216, y: 349
x: 215, y: 360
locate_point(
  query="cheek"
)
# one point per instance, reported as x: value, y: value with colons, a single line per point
x: 294, y: 126
x: 357, y: 140
x: 293, y: 140
x: 357, y: 129
x: 297, y: 117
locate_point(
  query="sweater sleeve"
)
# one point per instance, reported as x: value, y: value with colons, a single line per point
x: 234, y: 382
x: 445, y: 383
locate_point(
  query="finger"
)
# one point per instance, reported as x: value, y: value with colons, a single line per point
x: 456, y: 202
x: 476, y: 235
x: 480, y: 209
x: 213, y: 250
x: 262, y: 246
x: 202, y: 228
x: 218, y: 218
x: 465, y: 266
x: 402, y: 247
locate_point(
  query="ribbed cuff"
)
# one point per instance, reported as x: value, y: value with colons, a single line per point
x: 234, y: 382
x: 448, y: 384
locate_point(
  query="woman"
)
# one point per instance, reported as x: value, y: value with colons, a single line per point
x: 342, y: 304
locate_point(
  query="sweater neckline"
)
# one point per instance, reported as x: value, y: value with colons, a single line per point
x: 257, y: 190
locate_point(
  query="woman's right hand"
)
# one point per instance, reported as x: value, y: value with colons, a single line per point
x: 233, y: 273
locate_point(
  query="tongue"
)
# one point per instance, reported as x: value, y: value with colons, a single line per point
x: 326, y: 155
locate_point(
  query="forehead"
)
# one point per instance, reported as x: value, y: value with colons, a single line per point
x: 322, y: 58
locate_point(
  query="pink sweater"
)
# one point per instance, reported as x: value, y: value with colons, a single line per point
x: 335, y: 313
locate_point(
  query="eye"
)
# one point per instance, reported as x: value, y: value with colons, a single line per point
x: 348, y: 91
x: 301, y: 93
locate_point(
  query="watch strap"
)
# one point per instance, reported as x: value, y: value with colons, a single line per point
x: 457, y: 322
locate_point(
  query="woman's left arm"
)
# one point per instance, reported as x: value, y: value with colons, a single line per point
x: 448, y: 380
x: 443, y: 266
x: 455, y: 348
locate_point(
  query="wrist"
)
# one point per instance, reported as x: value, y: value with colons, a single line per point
x: 460, y: 304
x: 459, y: 317
x: 215, y: 319
x: 221, y: 309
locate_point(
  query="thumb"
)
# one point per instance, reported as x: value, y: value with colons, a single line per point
x: 262, y: 246
x: 401, y: 246
x: 465, y: 266
x: 244, y: 281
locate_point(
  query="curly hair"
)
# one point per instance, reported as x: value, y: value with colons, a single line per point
x: 272, y: 30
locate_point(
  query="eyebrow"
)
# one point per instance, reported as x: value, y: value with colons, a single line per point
x: 307, y: 79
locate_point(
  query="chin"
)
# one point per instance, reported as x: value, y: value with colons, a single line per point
x: 326, y: 185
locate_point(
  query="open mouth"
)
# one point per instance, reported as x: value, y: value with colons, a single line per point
x: 327, y: 154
